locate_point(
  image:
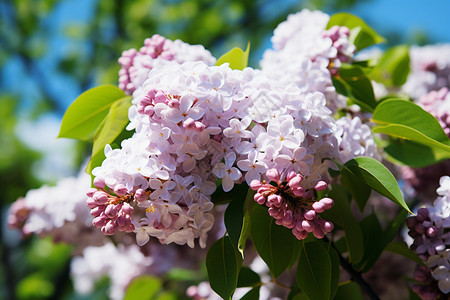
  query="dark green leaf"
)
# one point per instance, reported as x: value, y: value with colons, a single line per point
x: 359, y: 190
x: 85, y: 114
x: 247, y: 277
x: 378, y: 242
x: 245, y: 232
x: 361, y: 34
x: 314, y: 271
x: 274, y: 243
x: 414, y: 154
x: 352, y: 82
x: 143, y: 287
x: 335, y: 271
x: 378, y: 177
x: 253, y: 294
x: 349, y: 290
x: 393, y: 67
x: 233, y: 219
x: 237, y: 58
x: 301, y: 296
x: 342, y: 215
x: 223, y: 264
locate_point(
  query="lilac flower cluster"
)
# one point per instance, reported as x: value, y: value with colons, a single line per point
x: 430, y: 231
x: 437, y: 103
x: 59, y: 211
x: 293, y: 206
x: 193, y: 125
x: 430, y: 70
x: 306, y: 54
x: 137, y: 64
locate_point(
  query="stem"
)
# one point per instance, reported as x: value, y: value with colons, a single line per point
x: 355, y: 275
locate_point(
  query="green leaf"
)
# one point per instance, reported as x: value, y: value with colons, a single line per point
x: 349, y: 290
x: 143, y: 287
x: 335, y: 271
x: 253, y: 294
x: 85, y: 114
x: 274, y: 243
x: 223, y: 264
x: 361, y: 34
x: 314, y: 271
x: 402, y: 249
x: 237, y: 58
x: 359, y: 190
x: 376, y: 241
x: 247, y: 277
x: 342, y: 215
x: 245, y: 232
x: 378, y: 177
x: 414, y: 154
x: 404, y: 119
x: 111, y: 127
x: 238, y: 212
x: 351, y: 81
x: 393, y: 67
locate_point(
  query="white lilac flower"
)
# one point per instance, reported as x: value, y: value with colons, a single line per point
x: 355, y: 139
x: 306, y: 54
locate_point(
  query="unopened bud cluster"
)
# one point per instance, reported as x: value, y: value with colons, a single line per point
x: 293, y: 206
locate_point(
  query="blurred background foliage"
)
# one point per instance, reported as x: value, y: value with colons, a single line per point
x: 52, y: 50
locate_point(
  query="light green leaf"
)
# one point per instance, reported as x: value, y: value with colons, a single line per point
x: 393, y: 67
x: 403, y: 119
x: 223, y: 264
x: 274, y: 243
x: 85, y: 114
x: 314, y: 271
x: 378, y: 177
x: 361, y: 34
x: 143, y: 287
x: 108, y: 131
x: 237, y: 58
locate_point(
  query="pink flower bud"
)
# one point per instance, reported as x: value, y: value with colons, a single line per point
x: 432, y: 231
x: 91, y: 192
x: 99, y: 183
x: 120, y: 190
x: 291, y: 175
x: 307, y: 225
x: 189, y: 124
x: 295, y: 181
x: 318, y: 233
x: 255, y: 184
x: 298, y: 192
x: 199, y: 126
x: 288, y: 220
x: 319, y: 207
x: 121, y: 221
x: 273, y: 175
x: 174, y: 103
x: 100, y: 198
x: 112, y: 210
x: 327, y: 202
x: 99, y: 222
x: 321, y: 186
x: 310, y: 215
x: 109, y: 228
x: 140, y: 195
x: 91, y: 203
x: 127, y: 209
x: 259, y: 198
x: 96, y: 211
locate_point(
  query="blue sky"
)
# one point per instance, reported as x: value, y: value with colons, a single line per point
x: 407, y: 16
